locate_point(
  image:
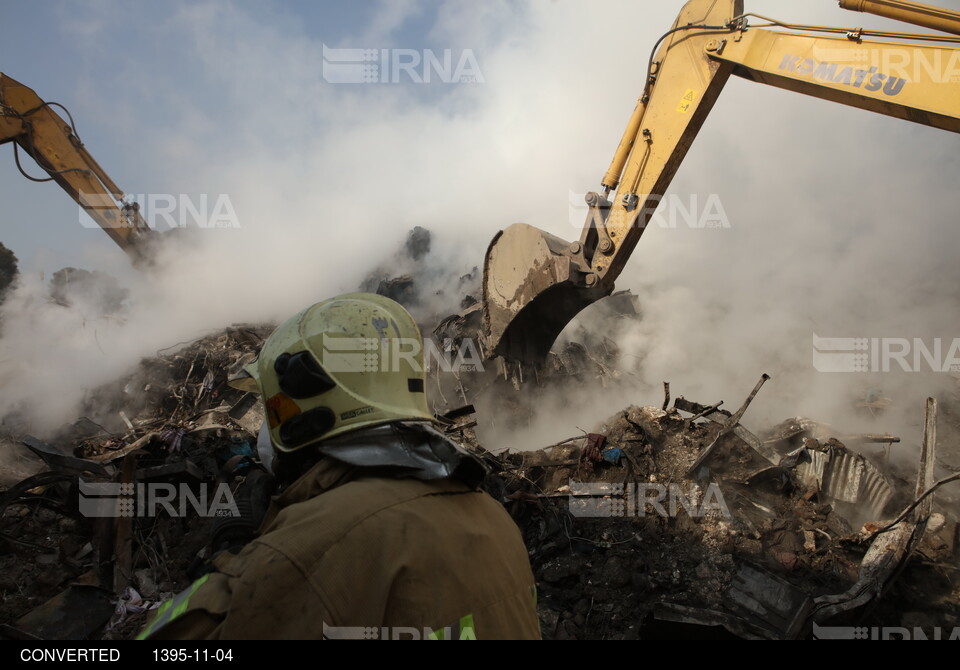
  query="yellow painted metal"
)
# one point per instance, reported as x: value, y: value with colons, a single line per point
x: 667, y: 128
x: 612, y: 177
x: 911, y: 81
x: 534, y: 283
x: 49, y: 140
x: 917, y: 13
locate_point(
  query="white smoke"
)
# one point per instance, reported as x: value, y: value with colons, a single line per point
x: 841, y: 221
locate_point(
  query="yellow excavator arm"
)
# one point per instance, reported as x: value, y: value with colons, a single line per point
x: 535, y: 283
x: 33, y: 126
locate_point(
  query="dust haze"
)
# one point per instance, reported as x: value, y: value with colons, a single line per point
x: 841, y: 223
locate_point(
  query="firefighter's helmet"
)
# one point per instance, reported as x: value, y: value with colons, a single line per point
x: 346, y: 363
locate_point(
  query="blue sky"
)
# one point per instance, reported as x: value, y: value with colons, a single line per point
x: 144, y: 78
x: 172, y: 96
x: 842, y: 222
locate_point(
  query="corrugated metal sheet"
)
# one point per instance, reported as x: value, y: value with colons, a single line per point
x: 844, y: 476
x: 876, y: 490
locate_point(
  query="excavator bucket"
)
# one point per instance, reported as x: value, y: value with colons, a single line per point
x: 533, y: 285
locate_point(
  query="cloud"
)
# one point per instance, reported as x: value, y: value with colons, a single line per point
x: 842, y: 222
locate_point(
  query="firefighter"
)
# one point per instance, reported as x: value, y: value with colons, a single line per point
x: 380, y: 529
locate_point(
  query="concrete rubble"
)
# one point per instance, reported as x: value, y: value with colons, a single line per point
x: 671, y: 520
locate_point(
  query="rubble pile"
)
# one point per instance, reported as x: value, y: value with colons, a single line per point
x: 627, y: 542
x: 66, y: 544
x: 422, y: 282
x: 509, y: 393
x: 661, y: 521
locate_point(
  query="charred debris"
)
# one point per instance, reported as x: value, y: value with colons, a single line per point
x: 666, y: 520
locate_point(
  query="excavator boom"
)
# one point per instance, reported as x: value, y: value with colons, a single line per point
x: 33, y: 127
x: 535, y: 283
